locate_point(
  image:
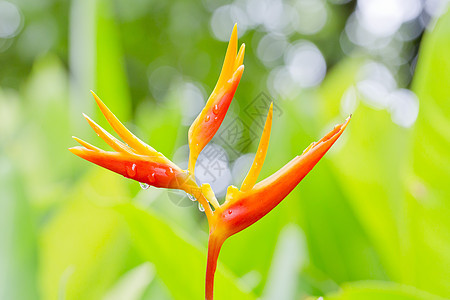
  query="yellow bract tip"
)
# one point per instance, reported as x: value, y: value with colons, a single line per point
x: 209, y: 195
x: 260, y: 156
x: 129, y: 138
x: 230, y: 58
x: 108, y: 138
x: 239, y: 57
x: 86, y: 144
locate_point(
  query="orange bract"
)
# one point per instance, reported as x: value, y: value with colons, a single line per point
x: 210, y: 118
x: 136, y: 160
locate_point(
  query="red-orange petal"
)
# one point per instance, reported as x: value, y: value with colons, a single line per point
x: 151, y: 170
x: 208, y: 122
x: 210, y: 118
x: 243, y: 209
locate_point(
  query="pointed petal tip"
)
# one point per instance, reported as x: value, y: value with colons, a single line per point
x: 100, y: 104
x: 97, y: 99
x: 240, y: 57
x: 86, y: 144
x: 77, y: 150
x: 234, y: 39
x: 78, y: 140
x: 234, y: 33
x: 348, y: 119
x: 90, y: 121
x: 260, y: 156
x: 95, y: 95
x: 241, y: 51
x: 343, y: 125
x: 239, y: 71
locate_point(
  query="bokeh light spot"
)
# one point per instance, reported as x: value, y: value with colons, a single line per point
x: 404, y: 107
x: 10, y: 20
x: 306, y: 64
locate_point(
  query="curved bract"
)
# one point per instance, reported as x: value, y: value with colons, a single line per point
x: 136, y: 160
x: 210, y: 118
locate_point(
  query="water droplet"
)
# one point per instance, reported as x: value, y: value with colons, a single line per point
x: 131, y: 170
x: 151, y: 178
x: 215, y: 119
x: 192, y: 198
x: 200, y: 207
x: 230, y: 212
x: 169, y: 171
x: 216, y: 109
x: 144, y: 186
x: 207, y: 118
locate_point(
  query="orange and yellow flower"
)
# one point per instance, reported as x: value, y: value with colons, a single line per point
x: 242, y: 207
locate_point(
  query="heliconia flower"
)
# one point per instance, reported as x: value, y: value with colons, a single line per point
x: 208, y: 121
x: 136, y: 160
x: 253, y: 201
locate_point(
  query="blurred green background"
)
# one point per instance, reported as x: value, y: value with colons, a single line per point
x: 371, y: 221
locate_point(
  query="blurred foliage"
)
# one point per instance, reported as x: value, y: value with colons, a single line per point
x: 371, y: 221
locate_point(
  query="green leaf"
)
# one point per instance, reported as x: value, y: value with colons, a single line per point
x: 337, y: 240
x: 369, y: 168
x: 428, y: 188
x: 337, y: 81
x: 368, y: 165
x: 179, y: 264
x: 161, y: 124
x: 132, y: 285
x: 111, y: 83
x: 85, y: 242
x: 18, y: 243
x: 375, y: 290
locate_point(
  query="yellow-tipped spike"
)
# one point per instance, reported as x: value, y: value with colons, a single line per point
x: 239, y: 57
x: 86, y: 144
x: 209, y: 195
x: 230, y: 57
x: 123, y: 132
x: 260, y: 156
x: 108, y: 138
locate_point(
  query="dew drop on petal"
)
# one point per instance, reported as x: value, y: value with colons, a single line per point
x: 151, y: 178
x: 191, y: 197
x: 131, y: 170
x: 207, y: 118
x: 200, y: 207
x: 169, y: 171
x: 230, y: 212
x: 216, y: 109
x: 144, y: 186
